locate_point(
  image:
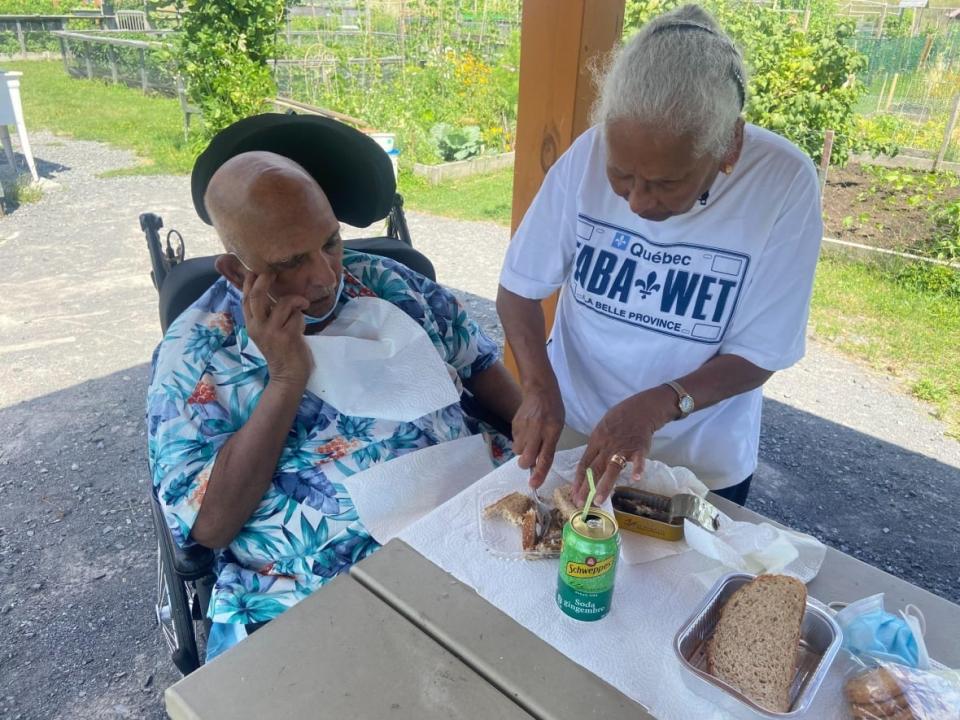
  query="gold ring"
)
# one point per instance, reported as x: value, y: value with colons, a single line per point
x: 619, y: 460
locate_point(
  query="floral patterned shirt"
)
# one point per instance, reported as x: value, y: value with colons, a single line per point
x: 305, y: 531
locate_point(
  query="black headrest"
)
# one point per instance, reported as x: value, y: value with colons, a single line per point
x: 354, y: 172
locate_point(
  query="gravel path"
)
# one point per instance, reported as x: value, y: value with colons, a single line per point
x: 844, y: 454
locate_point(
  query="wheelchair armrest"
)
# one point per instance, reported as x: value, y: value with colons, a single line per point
x: 190, y: 563
x: 193, y: 562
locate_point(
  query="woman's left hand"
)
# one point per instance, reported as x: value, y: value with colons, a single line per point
x: 624, y: 435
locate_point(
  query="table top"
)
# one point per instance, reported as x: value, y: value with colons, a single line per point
x: 341, y: 653
x: 399, y: 637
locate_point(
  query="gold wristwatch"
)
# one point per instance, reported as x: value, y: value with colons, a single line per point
x: 684, y: 399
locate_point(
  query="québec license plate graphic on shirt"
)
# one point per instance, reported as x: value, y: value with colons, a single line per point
x: 683, y: 290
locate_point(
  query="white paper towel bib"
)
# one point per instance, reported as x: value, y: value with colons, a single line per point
x: 376, y: 361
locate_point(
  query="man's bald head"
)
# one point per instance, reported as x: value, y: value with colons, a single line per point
x: 256, y: 198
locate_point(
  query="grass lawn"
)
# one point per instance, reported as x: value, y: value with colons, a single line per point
x: 481, y: 197
x: 858, y: 308
x: 150, y: 125
x: 895, y: 328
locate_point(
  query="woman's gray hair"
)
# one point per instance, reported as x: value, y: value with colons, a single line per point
x: 680, y: 71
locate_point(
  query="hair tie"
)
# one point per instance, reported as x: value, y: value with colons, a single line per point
x: 689, y: 25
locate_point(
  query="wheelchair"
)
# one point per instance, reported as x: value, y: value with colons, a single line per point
x: 185, y: 577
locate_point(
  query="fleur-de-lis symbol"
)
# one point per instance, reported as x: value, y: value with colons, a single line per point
x: 647, y: 286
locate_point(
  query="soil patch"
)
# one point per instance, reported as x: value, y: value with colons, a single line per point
x: 886, y: 208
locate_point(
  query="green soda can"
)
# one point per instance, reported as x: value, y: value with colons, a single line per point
x: 588, y: 565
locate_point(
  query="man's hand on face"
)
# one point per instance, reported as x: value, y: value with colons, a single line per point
x: 277, y: 329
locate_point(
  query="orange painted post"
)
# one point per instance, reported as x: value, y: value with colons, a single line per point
x: 559, y: 41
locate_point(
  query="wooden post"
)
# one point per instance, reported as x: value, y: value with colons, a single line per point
x: 948, y: 133
x: 893, y: 86
x: 883, y: 20
x: 144, y: 78
x: 558, y: 40
x: 806, y: 17
x: 86, y: 59
x: 112, y: 57
x: 926, y: 51
x: 883, y: 89
x: 825, y: 161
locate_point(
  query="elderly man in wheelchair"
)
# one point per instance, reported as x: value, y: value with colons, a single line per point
x: 256, y: 411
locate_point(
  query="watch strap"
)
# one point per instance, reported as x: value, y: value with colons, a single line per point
x: 681, y: 395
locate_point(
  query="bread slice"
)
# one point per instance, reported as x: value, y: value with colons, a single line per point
x: 512, y: 507
x: 754, y: 645
x: 528, y: 530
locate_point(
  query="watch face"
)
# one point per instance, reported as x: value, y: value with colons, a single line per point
x: 686, y: 404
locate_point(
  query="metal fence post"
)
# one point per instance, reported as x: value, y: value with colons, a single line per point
x: 112, y: 56
x: 144, y: 80
x: 22, y: 39
x: 948, y: 133
x: 65, y: 51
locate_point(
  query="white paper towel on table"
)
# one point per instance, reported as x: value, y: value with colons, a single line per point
x: 393, y: 495
x: 632, y: 648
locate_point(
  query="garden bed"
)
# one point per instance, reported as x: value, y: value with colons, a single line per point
x: 892, y: 208
x: 444, y: 172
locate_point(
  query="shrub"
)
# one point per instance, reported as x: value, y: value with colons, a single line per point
x: 937, y: 279
x: 801, y: 83
x: 223, y: 51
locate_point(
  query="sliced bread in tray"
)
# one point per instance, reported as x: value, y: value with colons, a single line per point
x: 754, y: 645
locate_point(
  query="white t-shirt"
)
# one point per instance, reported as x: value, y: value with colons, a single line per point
x: 645, y: 302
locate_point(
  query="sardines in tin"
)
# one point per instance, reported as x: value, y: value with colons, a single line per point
x: 588, y: 565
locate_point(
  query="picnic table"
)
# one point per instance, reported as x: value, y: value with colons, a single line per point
x: 398, y: 637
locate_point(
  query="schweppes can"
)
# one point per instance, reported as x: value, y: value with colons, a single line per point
x: 588, y: 565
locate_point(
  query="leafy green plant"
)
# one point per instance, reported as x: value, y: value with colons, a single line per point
x: 455, y: 143
x: 946, y: 244
x: 878, y: 135
x: 223, y: 51
x: 929, y: 278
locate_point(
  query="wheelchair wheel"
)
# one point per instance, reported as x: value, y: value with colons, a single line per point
x: 178, y: 610
x: 178, y: 615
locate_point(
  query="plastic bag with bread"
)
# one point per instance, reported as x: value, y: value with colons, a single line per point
x: 892, y: 677
x: 895, y: 692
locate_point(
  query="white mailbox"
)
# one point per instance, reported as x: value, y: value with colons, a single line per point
x: 11, y: 113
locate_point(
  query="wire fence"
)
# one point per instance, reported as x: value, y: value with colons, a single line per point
x: 331, y: 51
x: 913, y: 85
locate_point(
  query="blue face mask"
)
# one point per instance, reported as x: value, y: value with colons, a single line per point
x: 311, y: 320
x: 872, y: 632
x: 308, y: 319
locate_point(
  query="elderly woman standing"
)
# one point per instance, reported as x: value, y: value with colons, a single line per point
x: 684, y: 244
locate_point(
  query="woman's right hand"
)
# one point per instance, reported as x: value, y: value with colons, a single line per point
x: 536, y: 429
